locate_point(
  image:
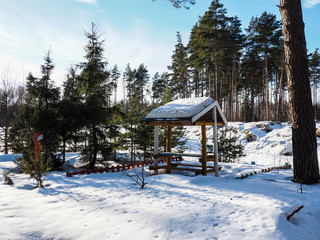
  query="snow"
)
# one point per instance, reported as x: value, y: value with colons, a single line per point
x: 176, y: 206
x: 181, y: 108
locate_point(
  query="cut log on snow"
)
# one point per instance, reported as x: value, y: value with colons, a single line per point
x: 294, y: 212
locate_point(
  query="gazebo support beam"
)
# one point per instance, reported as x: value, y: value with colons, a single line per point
x: 215, y: 141
x: 169, y: 145
x: 156, y: 147
x: 204, y: 149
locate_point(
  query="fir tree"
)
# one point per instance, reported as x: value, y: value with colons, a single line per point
x: 94, y: 90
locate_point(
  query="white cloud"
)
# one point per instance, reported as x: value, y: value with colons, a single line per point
x: 311, y: 3
x: 87, y: 1
x: 23, y: 49
x: 138, y: 46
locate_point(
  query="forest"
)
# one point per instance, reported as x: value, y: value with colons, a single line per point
x: 244, y: 70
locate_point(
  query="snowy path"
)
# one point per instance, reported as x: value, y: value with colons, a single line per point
x: 109, y: 206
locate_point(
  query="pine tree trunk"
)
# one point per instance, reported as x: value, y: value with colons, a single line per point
x: 252, y: 91
x: 210, y: 87
x: 305, y: 159
x: 267, y: 87
x: 231, y: 99
x: 280, y: 105
x: 216, y: 82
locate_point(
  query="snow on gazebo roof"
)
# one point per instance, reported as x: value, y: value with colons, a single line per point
x: 186, y: 109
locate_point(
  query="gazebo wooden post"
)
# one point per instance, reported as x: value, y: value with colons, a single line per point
x: 169, y: 144
x: 204, y: 149
x: 156, y: 148
x: 215, y: 140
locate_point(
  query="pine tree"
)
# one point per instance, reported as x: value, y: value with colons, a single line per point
x: 237, y: 42
x: 251, y: 69
x: 159, y: 86
x: 140, y: 82
x: 179, y: 68
x: 214, y: 37
x: 115, y: 75
x: 268, y: 34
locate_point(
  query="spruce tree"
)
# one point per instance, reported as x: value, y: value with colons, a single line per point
x: 94, y: 90
x: 39, y: 114
x: 69, y: 109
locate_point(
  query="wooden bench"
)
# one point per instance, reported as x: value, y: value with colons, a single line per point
x: 198, y: 169
x: 185, y: 167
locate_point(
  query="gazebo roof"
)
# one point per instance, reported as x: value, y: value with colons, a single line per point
x: 187, y: 111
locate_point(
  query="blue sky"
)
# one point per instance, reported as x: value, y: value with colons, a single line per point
x: 136, y: 31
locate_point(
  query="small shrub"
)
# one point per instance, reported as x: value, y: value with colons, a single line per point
x: 139, y: 179
x: 7, y: 179
x: 35, y: 168
x: 229, y: 149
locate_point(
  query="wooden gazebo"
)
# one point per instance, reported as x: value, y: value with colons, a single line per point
x: 202, y: 112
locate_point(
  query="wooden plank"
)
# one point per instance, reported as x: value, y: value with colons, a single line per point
x: 160, y: 155
x: 181, y: 123
x: 158, y: 167
x: 189, y: 165
x: 170, y: 123
x: 209, y: 159
x: 194, y: 170
x: 200, y: 123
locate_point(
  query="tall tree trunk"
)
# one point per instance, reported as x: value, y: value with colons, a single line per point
x: 231, y: 99
x: 216, y: 82
x: 252, y: 79
x: 196, y: 83
x: 305, y: 159
x: 267, y: 87
x: 210, y: 86
x: 280, y: 105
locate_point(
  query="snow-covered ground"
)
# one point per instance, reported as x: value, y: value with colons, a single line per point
x: 176, y: 206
